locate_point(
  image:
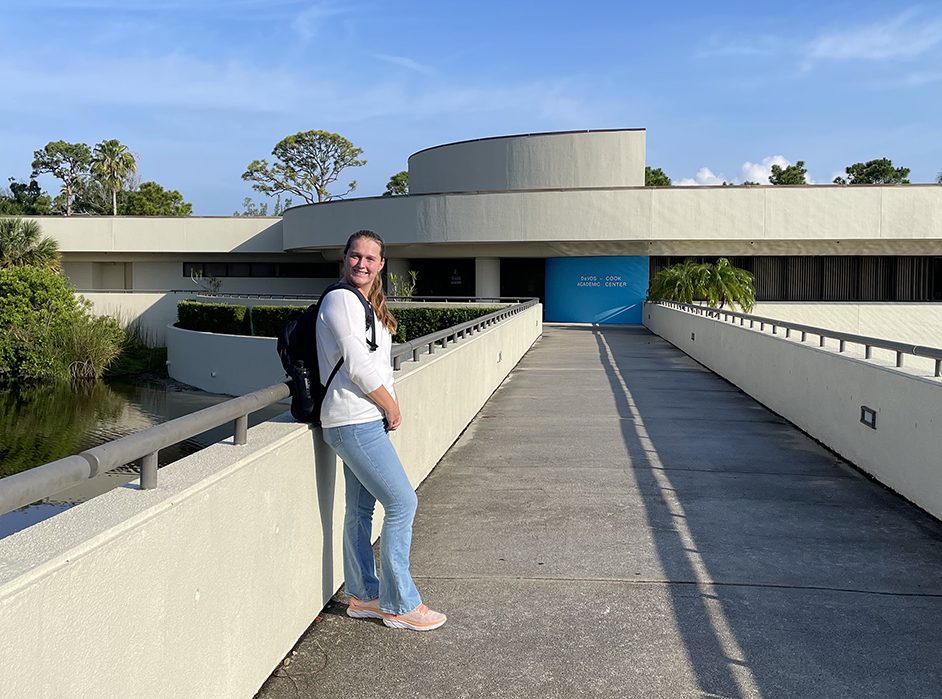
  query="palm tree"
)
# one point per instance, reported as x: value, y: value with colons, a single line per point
x: 682, y: 282
x: 728, y: 284
x: 113, y: 164
x: 22, y: 244
x: 717, y: 284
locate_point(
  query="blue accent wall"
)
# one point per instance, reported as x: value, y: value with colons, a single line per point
x: 595, y: 289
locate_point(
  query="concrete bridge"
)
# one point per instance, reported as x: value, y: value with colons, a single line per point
x: 616, y: 521
x: 621, y: 522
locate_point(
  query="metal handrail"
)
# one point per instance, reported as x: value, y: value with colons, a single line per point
x: 427, y: 343
x: 21, y: 489
x: 868, y: 343
x: 42, y: 481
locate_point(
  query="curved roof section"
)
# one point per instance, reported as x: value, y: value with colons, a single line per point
x: 820, y: 219
x: 564, y: 160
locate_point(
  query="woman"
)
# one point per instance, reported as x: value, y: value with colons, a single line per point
x: 359, y: 408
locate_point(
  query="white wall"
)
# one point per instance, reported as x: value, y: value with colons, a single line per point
x: 819, y: 219
x: 571, y: 159
x: 151, y: 312
x: 231, y: 364
x: 200, y: 587
x: 157, y: 234
x: 822, y: 392
x: 918, y: 323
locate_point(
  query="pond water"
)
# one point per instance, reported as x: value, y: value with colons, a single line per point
x: 45, y: 423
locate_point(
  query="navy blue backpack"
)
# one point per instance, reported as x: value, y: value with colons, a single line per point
x: 297, y: 348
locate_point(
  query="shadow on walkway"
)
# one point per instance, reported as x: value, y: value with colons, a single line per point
x: 620, y: 522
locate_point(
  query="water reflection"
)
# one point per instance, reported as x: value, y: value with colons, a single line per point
x: 45, y: 423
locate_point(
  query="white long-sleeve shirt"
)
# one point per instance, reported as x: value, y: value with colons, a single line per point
x: 341, y: 331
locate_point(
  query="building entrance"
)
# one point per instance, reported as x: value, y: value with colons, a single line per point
x: 444, y: 277
x: 603, y: 290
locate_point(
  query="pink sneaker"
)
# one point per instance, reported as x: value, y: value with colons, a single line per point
x: 419, y: 619
x: 364, y: 610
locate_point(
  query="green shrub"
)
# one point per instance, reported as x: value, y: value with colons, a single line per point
x: 423, y: 320
x: 89, y: 345
x: 267, y: 320
x: 223, y: 318
x: 49, y: 333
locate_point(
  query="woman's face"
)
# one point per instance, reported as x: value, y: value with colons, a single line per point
x: 362, y: 263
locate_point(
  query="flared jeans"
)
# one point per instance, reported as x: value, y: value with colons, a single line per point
x: 372, y: 471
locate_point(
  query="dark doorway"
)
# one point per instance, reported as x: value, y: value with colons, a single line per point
x: 523, y: 277
x: 451, y: 277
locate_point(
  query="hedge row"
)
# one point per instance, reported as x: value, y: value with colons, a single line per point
x: 222, y: 318
x: 264, y: 321
x: 416, y: 322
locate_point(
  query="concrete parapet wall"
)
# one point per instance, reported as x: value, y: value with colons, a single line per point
x: 200, y: 587
x: 821, y: 392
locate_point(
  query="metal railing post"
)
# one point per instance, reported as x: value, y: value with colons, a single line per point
x: 241, y: 435
x: 149, y: 471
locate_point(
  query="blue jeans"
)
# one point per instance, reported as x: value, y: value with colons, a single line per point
x: 372, y: 471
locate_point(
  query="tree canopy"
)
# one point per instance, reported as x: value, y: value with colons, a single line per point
x: 308, y: 163
x: 24, y: 199
x: 150, y: 199
x: 398, y: 184
x: 69, y: 162
x: 792, y: 174
x: 880, y: 171
x: 655, y: 177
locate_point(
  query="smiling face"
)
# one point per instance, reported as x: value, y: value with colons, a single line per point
x: 362, y: 263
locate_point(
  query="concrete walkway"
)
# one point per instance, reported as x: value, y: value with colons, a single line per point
x: 620, y: 522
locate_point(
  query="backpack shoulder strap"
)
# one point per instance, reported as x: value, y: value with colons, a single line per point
x: 367, y: 308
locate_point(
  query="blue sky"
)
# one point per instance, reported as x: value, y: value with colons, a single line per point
x: 199, y: 88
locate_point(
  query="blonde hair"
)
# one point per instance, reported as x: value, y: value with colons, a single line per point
x: 376, y: 296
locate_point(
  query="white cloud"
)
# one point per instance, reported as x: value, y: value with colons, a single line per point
x: 173, y: 80
x: 704, y: 176
x: 922, y: 78
x: 309, y: 22
x: 907, y: 35
x: 742, y: 46
x: 407, y: 63
x: 751, y: 172
x: 759, y: 172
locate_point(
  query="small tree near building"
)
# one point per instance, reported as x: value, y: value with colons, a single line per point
x: 880, y: 171
x: 150, y: 199
x: 69, y: 162
x: 25, y: 199
x: 309, y: 162
x: 398, y: 184
x: 655, y: 177
x: 792, y: 174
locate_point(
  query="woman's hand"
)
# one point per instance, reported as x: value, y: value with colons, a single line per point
x: 393, y: 417
x: 389, y: 406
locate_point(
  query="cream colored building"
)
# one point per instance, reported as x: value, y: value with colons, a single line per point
x: 555, y: 215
